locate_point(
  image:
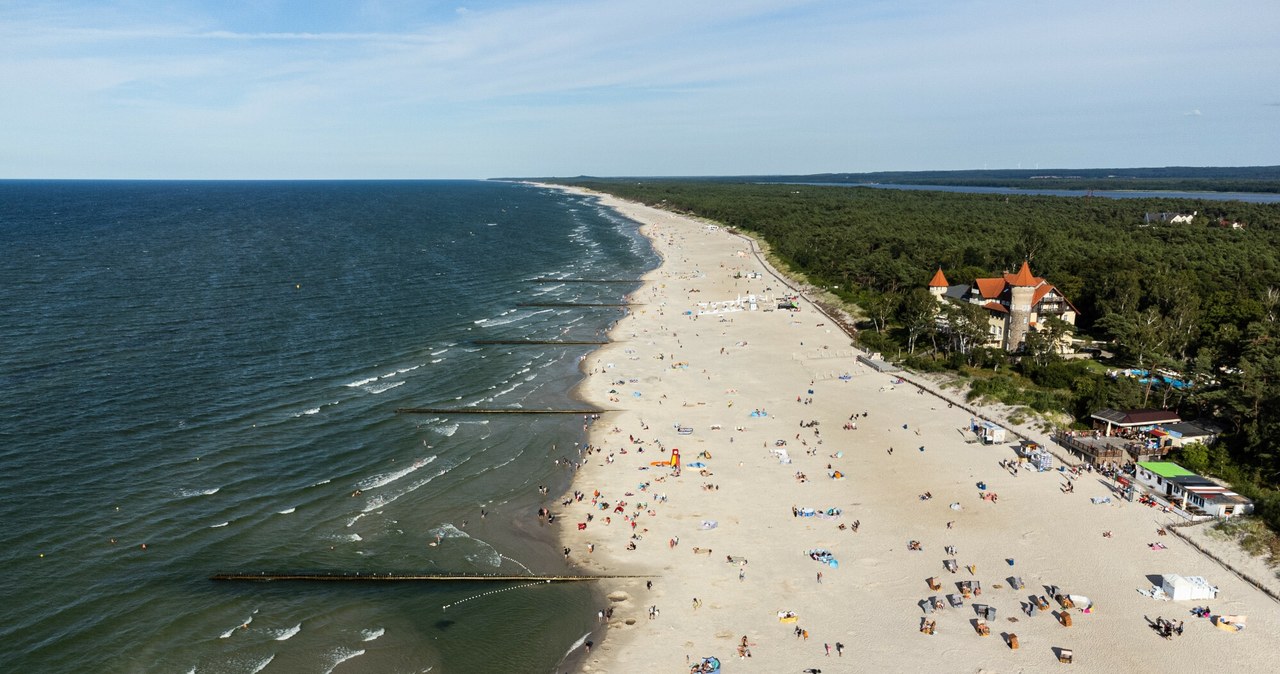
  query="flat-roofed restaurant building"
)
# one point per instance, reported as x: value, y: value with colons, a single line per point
x: 1197, y: 495
x: 1186, y: 432
x: 1137, y: 420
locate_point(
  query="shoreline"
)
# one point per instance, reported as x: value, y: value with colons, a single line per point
x: 867, y: 604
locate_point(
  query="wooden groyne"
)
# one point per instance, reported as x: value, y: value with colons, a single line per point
x: 553, y: 342
x: 577, y: 304
x: 490, y: 410
x: 265, y: 577
x: 586, y: 280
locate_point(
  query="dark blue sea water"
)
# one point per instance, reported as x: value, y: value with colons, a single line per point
x: 212, y: 369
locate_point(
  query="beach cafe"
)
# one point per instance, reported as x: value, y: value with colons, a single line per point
x: 1197, y: 495
x: 1114, y: 421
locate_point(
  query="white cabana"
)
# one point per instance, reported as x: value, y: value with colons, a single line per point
x: 1187, y: 588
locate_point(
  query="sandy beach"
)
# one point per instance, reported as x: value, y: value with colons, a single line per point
x: 773, y: 417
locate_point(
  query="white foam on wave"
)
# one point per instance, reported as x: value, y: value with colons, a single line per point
x: 437, y: 360
x: 447, y: 431
x: 187, y: 493
x: 216, y: 526
x: 446, y: 531
x: 505, y: 391
x: 286, y: 511
x: 370, y: 635
x: 501, y: 319
x: 346, y: 538
x: 263, y: 665
x: 577, y: 644
x: 383, y: 500
x: 355, y: 519
x: 375, y: 390
x: 486, y: 554
x: 436, y: 353
x: 387, y: 478
x: 407, y: 369
x: 325, y: 481
x: 243, y: 625
x: 284, y: 635
x: 313, y: 410
x: 340, y: 656
x: 362, y: 382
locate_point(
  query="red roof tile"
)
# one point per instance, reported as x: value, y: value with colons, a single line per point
x: 989, y: 287
x: 1024, y: 277
x: 938, y: 281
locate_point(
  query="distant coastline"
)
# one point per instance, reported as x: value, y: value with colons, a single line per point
x: 1247, y: 197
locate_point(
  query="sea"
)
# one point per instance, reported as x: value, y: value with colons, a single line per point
x: 204, y: 377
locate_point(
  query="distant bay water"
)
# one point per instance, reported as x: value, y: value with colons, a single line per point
x: 1248, y: 197
x: 212, y: 369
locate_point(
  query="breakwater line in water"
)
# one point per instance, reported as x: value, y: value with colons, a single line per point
x: 481, y: 410
x: 394, y: 577
x: 611, y: 305
x: 584, y: 280
x: 527, y: 342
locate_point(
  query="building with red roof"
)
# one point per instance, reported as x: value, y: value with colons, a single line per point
x: 1015, y: 303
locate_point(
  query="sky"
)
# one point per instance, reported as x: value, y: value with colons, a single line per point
x: 309, y: 89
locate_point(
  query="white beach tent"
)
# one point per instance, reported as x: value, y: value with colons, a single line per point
x: 1182, y: 588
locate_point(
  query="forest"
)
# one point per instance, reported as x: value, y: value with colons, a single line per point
x: 1168, y: 178
x: 1200, y: 300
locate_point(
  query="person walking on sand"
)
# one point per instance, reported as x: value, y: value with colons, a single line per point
x: 839, y: 649
x: 828, y: 649
x: 819, y: 577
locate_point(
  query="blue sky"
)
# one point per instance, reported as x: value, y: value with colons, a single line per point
x: 426, y: 89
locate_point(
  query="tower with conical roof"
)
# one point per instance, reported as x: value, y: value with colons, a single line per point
x: 1022, y: 289
x: 938, y: 285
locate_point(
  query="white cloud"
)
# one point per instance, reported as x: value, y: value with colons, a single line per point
x: 683, y: 87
